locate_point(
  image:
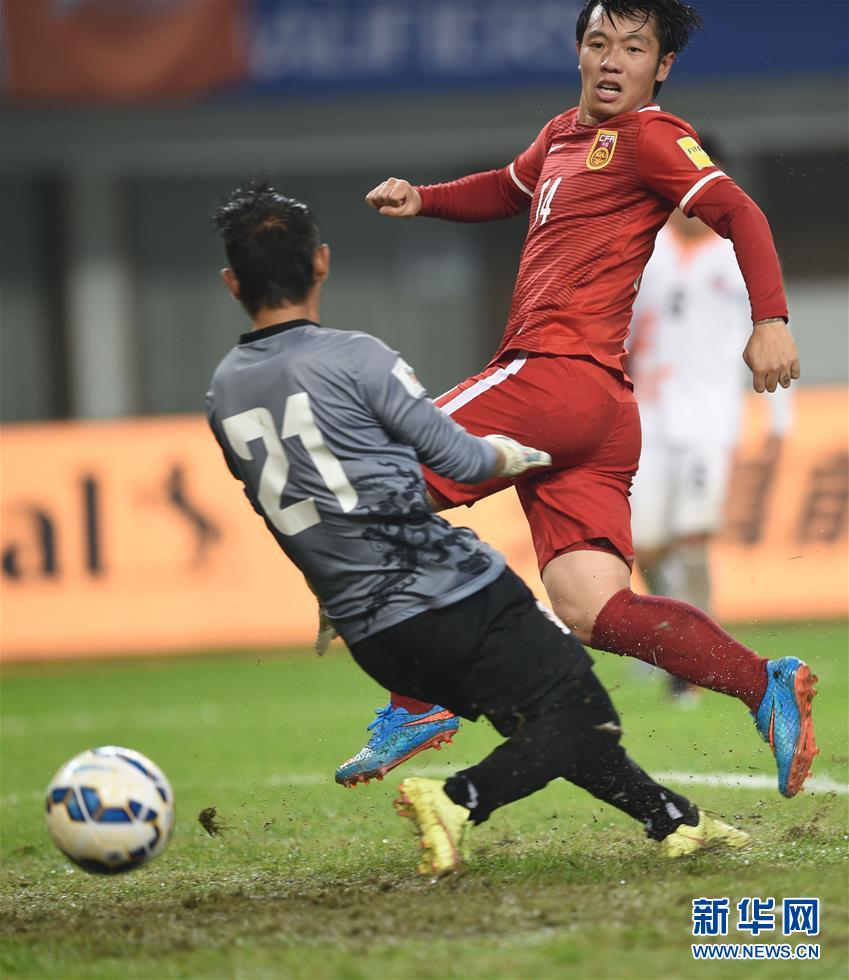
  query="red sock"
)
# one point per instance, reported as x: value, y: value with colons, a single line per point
x: 683, y: 640
x: 413, y: 706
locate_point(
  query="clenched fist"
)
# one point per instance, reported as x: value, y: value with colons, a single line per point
x: 771, y: 355
x: 395, y: 198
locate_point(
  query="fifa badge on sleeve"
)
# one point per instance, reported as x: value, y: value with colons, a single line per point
x: 695, y: 153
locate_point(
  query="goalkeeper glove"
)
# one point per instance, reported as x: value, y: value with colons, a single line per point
x: 326, y: 632
x: 514, y: 458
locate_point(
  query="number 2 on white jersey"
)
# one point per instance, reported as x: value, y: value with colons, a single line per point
x: 545, y: 195
x: 258, y: 423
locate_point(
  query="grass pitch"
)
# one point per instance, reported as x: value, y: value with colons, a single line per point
x: 309, y: 880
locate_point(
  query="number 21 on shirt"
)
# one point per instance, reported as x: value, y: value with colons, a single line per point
x: 258, y: 423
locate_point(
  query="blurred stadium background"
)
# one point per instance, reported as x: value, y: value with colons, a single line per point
x: 124, y: 122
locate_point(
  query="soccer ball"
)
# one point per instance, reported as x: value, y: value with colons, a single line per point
x: 110, y: 810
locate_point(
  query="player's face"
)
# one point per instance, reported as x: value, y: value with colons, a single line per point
x: 619, y: 60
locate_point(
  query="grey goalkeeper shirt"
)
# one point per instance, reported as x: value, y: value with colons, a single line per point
x: 327, y: 429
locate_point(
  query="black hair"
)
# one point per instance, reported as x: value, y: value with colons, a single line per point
x: 675, y: 22
x: 270, y: 241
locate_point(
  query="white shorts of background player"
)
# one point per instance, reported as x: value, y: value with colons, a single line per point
x: 679, y: 491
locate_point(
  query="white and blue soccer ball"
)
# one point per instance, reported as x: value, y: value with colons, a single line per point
x: 110, y: 810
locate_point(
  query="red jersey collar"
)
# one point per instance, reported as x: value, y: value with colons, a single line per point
x: 577, y: 124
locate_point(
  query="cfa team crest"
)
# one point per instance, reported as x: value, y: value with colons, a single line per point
x: 601, y: 152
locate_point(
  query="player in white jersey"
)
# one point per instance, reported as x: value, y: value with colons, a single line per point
x: 690, y: 319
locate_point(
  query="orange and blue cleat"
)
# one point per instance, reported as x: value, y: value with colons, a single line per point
x: 396, y: 735
x: 784, y: 720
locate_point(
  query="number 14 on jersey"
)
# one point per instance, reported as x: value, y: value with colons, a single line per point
x: 546, y: 193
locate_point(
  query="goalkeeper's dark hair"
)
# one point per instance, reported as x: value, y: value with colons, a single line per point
x: 270, y: 241
x: 675, y: 22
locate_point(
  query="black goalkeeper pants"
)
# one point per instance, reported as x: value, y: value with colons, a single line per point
x: 498, y: 654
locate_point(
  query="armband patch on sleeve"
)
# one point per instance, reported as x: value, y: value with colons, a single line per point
x: 407, y: 376
x: 695, y: 153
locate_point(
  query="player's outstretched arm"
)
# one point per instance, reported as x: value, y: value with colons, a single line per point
x: 448, y: 449
x: 692, y: 181
x: 771, y: 355
x: 485, y: 196
x: 400, y: 403
x: 395, y: 198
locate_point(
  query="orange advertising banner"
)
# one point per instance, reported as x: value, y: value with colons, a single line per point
x: 132, y: 537
x: 784, y: 552
x: 120, y: 52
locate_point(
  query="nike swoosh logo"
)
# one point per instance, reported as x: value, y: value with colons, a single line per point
x: 437, y: 716
x: 556, y: 146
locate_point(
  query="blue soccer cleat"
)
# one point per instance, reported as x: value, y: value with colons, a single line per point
x: 784, y: 720
x: 396, y: 735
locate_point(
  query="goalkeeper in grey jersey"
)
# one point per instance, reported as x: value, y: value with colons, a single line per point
x: 326, y: 430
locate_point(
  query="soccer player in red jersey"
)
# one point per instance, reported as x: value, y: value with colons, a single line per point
x: 599, y: 181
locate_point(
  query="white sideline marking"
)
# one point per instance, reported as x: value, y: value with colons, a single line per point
x: 728, y: 780
x: 79, y: 722
x: 733, y: 780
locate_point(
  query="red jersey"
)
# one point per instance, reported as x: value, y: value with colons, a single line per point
x: 598, y: 195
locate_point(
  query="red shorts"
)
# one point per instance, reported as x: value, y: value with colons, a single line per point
x: 586, y: 416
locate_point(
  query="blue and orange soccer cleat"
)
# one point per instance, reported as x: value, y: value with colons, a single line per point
x: 396, y: 735
x: 784, y: 720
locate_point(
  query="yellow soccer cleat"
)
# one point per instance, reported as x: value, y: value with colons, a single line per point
x: 440, y: 822
x: 706, y: 835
